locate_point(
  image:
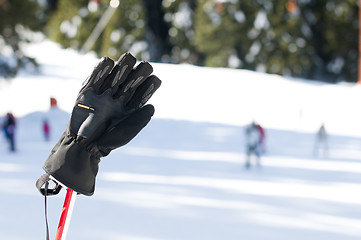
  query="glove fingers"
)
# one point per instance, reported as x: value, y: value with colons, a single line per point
x: 99, y: 74
x: 119, y: 73
x: 144, y: 92
x: 136, y: 77
x: 127, y: 129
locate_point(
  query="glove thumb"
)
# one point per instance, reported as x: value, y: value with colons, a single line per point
x: 125, y: 131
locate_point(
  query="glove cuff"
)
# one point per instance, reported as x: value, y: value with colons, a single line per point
x: 72, y: 165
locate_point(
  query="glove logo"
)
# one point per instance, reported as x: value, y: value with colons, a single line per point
x: 86, y: 107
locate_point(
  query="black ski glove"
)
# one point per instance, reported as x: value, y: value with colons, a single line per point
x: 108, y: 113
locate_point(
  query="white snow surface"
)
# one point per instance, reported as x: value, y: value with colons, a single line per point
x: 183, y: 176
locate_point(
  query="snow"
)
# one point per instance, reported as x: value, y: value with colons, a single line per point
x: 183, y: 176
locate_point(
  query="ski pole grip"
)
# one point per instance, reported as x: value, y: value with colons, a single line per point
x: 46, y: 191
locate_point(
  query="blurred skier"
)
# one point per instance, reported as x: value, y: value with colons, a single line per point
x: 321, y: 144
x: 262, y: 142
x: 46, y: 129
x: 254, y: 138
x: 8, y: 127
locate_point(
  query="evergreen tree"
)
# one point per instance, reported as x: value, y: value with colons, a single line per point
x: 284, y: 44
x: 126, y: 31
x: 180, y: 15
x: 333, y: 27
x: 317, y: 40
x: 217, y: 31
x: 17, y: 16
x: 73, y: 22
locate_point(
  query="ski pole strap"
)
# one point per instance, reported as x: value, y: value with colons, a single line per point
x: 49, y: 192
x: 44, y: 180
x: 46, y: 212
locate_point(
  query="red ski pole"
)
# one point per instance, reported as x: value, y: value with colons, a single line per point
x: 66, y: 215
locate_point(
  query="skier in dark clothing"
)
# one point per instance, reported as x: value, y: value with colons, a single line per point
x: 8, y: 127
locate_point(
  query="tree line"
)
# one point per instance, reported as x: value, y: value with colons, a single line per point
x: 313, y: 39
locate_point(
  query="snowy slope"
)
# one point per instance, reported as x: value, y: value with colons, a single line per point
x: 183, y: 177
x: 197, y: 94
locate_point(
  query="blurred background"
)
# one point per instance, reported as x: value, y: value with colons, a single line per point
x: 256, y: 133
x: 313, y: 39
